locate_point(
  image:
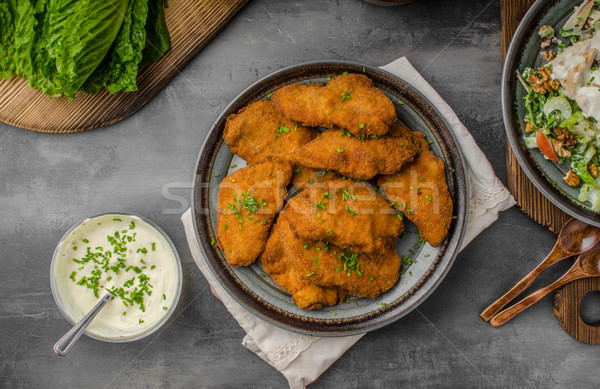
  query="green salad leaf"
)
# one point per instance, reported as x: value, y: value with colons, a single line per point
x: 128, y: 49
x: 63, y: 46
x: 157, y: 33
x: 139, y: 42
x: 70, y: 49
x: 579, y: 163
x: 8, y: 16
x: 27, y: 31
x: 571, y: 120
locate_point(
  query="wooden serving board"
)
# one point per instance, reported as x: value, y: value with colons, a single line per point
x: 536, y: 206
x: 528, y: 198
x: 192, y: 24
x: 566, y: 309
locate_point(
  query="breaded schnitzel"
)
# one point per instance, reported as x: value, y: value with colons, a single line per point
x: 304, y: 176
x: 420, y: 192
x: 364, y: 275
x: 348, y: 214
x: 259, y: 130
x: 280, y: 267
x: 346, y: 154
x: 349, y: 101
x: 248, y: 202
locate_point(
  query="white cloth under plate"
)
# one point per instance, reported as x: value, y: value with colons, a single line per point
x: 302, y: 359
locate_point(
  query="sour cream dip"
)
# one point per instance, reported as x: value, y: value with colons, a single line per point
x: 123, y: 255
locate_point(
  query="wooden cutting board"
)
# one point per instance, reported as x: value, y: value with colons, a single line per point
x: 534, y: 204
x: 192, y: 24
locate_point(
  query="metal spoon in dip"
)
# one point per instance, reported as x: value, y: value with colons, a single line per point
x: 575, y: 237
x: 66, y: 343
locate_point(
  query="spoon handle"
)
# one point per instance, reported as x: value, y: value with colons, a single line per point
x: 574, y: 273
x: 557, y: 254
x: 64, y: 344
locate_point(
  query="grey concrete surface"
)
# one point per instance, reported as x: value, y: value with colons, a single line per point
x: 145, y: 165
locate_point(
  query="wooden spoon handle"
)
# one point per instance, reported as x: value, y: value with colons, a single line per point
x: 573, y: 274
x: 557, y: 254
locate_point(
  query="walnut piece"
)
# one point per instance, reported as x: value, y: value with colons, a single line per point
x: 548, y: 41
x: 559, y: 149
x: 548, y: 55
x: 593, y: 169
x: 529, y: 127
x: 565, y: 137
x: 543, y: 83
x: 572, y: 179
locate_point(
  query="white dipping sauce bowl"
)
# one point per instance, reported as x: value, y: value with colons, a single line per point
x: 109, y: 326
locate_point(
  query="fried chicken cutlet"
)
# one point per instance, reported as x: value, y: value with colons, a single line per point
x: 304, y: 176
x: 362, y: 159
x: 420, y: 192
x: 247, y: 204
x: 349, y: 101
x: 259, y: 130
x: 280, y: 267
x: 364, y: 275
x: 348, y: 214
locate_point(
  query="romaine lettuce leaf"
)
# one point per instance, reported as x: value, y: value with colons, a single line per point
x: 129, y: 45
x: 8, y: 16
x: 27, y: 32
x: 157, y: 42
x: 75, y: 38
x: 157, y: 34
x: 63, y: 46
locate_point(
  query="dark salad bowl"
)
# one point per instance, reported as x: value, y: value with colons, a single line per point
x: 524, y: 52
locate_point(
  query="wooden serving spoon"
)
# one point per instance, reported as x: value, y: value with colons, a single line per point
x: 587, y: 265
x: 575, y: 237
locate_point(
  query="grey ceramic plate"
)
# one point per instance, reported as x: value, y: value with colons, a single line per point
x: 257, y: 292
x: 524, y: 52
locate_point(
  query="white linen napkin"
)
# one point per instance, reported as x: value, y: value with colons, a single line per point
x: 302, y: 359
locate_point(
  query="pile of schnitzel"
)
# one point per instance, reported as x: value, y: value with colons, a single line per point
x: 321, y: 209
